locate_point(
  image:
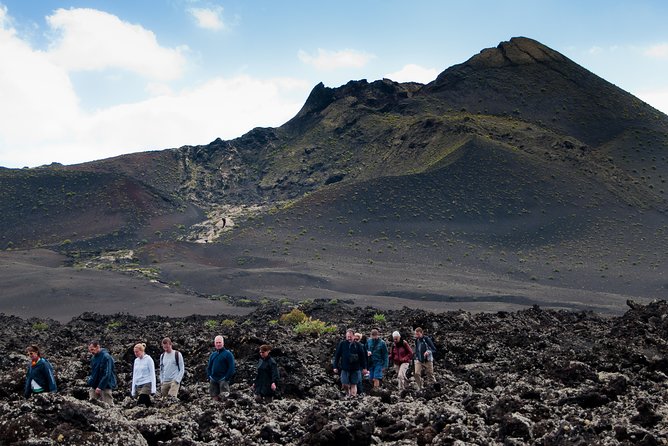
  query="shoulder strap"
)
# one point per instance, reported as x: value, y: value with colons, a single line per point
x: 176, y: 356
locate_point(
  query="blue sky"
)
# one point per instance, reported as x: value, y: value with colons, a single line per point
x: 84, y: 80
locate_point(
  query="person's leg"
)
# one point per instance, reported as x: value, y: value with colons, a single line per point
x: 345, y: 381
x: 402, y: 375
x: 418, y: 374
x: 164, y: 388
x: 429, y: 372
x: 144, y: 392
x: 214, y: 390
x: 107, y: 397
x: 224, y: 387
x: 356, y: 380
x: 174, y: 389
x: 92, y: 395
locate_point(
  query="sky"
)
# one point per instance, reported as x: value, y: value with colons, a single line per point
x: 86, y: 80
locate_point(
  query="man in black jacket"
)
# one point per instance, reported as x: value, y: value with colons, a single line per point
x: 267, y: 376
x: 351, y: 359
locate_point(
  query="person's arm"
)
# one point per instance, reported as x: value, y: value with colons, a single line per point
x: 105, y: 373
x: 431, y: 345
x: 230, y: 366
x: 53, y: 388
x: 151, y: 367
x: 365, y: 358
x: 133, y: 389
x: 337, y: 357
x: 182, y: 367
x: 275, y: 375
x: 26, y: 388
x: 209, y: 368
x: 410, y: 350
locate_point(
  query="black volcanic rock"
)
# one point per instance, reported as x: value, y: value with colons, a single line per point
x: 521, y: 406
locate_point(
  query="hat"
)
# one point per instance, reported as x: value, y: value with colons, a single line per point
x: 395, y: 334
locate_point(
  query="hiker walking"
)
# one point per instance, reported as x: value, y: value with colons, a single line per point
x: 39, y: 377
x: 424, y: 358
x: 172, y: 369
x: 143, y: 376
x: 361, y: 339
x: 400, y: 355
x: 102, y: 378
x: 267, y: 376
x: 220, y: 369
x: 350, y: 358
x: 378, y: 357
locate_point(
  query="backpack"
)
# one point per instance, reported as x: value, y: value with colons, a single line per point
x: 430, y: 344
x: 177, y: 355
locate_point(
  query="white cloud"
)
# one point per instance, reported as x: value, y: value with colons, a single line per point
x: 38, y: 100
x: 414, y: 73
x: 657, y: 98
x: 88, y: 39
x: 331, y: 60
x: 594, y: 50
x: 208, y: 18
x: 659, y: 51
x: 4, y: 18
x: 221, y: 107
x: 42, y: 121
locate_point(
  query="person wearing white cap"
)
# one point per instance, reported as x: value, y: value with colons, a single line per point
x: 400, y: 355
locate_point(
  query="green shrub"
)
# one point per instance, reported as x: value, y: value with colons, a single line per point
x: 379, y: 317
x: 114, y: 324
x: 211, y: 323
x: 315, y: 327
x: 228, y: 323
x: 294, y: 317
x: 41, y: 326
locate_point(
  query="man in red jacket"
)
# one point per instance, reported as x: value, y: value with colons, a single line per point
x: 400, y: 355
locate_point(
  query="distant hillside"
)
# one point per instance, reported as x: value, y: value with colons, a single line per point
x: 518, y: 166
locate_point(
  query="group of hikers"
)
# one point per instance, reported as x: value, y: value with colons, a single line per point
x: 357, y: 359
x: 354, y: 358
x: 102, y: 379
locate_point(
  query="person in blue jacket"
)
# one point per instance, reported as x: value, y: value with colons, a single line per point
x: 102, y: 378
x: 40, y: 377
x: 378, y: 357
x: 220, y: 369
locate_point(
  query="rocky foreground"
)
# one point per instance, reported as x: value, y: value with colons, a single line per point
x: 534, y: 377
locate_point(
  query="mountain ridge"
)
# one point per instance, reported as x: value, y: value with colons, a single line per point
x: 517, y: 163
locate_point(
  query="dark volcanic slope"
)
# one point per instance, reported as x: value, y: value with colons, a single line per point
x: 515, y: 177
x: 532, y: 377
x: 51, y: 206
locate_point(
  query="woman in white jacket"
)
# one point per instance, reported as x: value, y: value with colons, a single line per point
x: 143, y: 376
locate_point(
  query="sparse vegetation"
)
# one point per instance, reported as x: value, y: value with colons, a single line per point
x: 379, y: 318
x: 211, y: 323
x: 313, y: 327
x: 294, y: 317
x: 228, y: 323
x: 40, y: 326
